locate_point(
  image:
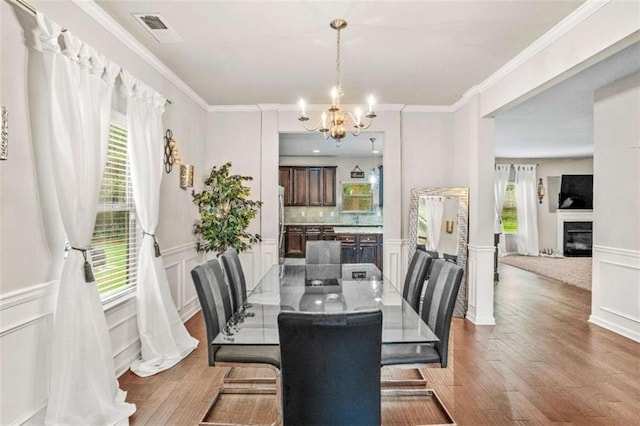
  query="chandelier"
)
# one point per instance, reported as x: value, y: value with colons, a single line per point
x: 335, y: 121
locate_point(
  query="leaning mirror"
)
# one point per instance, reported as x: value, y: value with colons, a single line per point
x: 439, y: 220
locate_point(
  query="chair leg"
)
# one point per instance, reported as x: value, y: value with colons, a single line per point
x: 261, y: 400
x: 423, y: 401
x: 417, y: 378
x: 230, y: 379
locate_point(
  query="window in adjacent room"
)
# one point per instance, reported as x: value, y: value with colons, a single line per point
x: 509, y: 216
x: 114, y: 246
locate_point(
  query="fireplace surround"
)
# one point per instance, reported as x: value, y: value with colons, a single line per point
x: 580, y: 226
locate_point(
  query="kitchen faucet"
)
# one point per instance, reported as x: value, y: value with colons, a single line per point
x: 356, y: 219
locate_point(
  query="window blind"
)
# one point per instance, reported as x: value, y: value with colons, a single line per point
x: 114, y: 246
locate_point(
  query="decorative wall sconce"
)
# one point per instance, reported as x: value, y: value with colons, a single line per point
x: 448, y: 226
x: 186, y: 176
x: 170, y: 151
x: 541, y: 191
x: 4, y: 142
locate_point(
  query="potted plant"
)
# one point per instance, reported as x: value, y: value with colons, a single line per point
x: 225, y: 212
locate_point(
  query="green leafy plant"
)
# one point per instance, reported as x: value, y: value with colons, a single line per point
x: 225, y: 212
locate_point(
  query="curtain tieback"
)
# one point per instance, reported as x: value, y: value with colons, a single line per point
x: 88, y: 271
x: 156, y: 246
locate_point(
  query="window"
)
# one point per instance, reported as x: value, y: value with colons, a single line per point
x: 509, y: 210
x: 357, y: 197
x: 114, y: 246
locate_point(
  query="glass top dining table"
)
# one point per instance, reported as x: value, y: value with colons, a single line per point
x: 324, y: 289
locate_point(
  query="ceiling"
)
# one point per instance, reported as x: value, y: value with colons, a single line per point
x: 558, y: 123
x: 404, y: 52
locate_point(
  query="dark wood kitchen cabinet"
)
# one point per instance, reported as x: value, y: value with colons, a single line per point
x: 309, y: 186
x: 362, y: 248
x: 329, y: 186
x: 287, y: 183
x: 296, y: 237
x: 294, y: 242
x: 300, y: 179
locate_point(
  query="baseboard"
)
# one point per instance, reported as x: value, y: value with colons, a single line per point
x: 630, y: 334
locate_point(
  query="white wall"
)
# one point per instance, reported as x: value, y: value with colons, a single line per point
x: 616, y: 218
x: 31, y: 237
x: 547, y: 229
x: 427, y: 155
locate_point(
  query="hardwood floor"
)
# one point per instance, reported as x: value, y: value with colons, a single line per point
x: 541, y: 363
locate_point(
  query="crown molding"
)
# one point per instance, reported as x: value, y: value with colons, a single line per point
x: 575, y: 18
x: 118, y: 31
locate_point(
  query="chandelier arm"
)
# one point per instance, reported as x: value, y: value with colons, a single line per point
x: 312, y: 129
x: 368, y: 125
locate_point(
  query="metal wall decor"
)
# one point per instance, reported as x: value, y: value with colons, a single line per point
x: 186, y: 176
x: 4, y: 142
x: 170, y: 151
x: 357, y: 173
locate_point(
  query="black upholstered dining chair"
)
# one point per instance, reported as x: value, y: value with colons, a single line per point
x: 323, y: 381
x: 437, y: 312
x: 434, y: 255
x: 235, y: 277
x: 323, y: 252
x: 416, y: 276
x: 210, y: 285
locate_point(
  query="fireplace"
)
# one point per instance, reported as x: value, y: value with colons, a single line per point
x: 578, y: 239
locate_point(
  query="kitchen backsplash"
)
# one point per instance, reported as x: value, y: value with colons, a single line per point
x: 330, y: 215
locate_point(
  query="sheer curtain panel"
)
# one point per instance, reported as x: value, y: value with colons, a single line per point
x: 501, y: 180
x: 527, y: 210
x: 163, y: 336
x: 434, y: 208
x: 79, y: 83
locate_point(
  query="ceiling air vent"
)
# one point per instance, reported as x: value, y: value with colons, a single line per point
x: 158, y: 27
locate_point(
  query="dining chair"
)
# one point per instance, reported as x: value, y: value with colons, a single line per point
x: 415, y: 278
x: 235, y: 276
x: 437, y: 311
x: 434, y: 255
x: 323, y: 252
x: 209, y: 283
x: 323, y: 381
x: 224, y: 306
x: 450, y: 257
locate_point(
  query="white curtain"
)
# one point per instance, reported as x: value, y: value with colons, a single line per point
x: 500, y: 182
x: 434, y: 208
x: 79, y: 83
x: 164, y: 338
x: 527, y: 210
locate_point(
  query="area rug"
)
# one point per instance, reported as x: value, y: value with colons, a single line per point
x: 571, y: 270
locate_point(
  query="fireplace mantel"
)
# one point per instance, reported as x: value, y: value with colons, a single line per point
x: 569, y: 216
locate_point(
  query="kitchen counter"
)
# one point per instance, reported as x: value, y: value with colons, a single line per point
x: 357, y: 229
x: 341, y: 224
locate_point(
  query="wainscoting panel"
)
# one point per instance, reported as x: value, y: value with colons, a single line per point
x: 615, y: 301
x: 270, y: 255
x: 26, y: 326
x: 479, y: 278
x: 173, y: 276
x: 394, y: 268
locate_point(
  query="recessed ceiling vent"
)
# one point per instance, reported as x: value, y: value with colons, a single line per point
x: 158, y: 27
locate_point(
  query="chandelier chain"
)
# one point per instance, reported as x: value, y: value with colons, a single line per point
x: 338, y: 63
